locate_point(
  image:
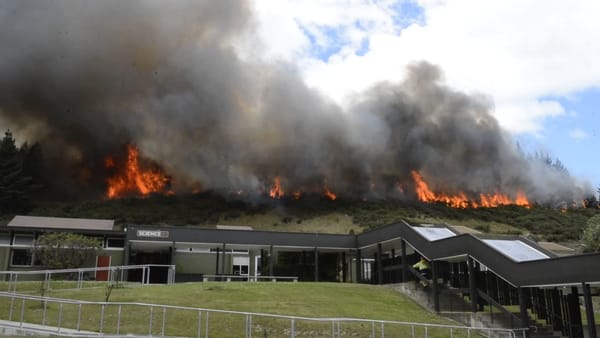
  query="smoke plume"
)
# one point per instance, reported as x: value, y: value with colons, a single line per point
x: 86, y: 78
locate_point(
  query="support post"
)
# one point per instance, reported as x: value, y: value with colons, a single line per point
x: 358, y: 263
x: 271, y: 260
x: 434, y: 286
x: 344, y: 267
x: 523, y: 309
x: 217, y: 263
x: 223, y: 260
x: 262, y: 261
x: 316, y: 265
x: 379, y: 264
x: 574, y: 308
x: 589, y: 310
x: 472, y: 284
x: 404, y: 263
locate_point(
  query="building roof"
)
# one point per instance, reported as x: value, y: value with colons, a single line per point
x: 61, y: 223
x: 558, y: 249
x: 233, y: 227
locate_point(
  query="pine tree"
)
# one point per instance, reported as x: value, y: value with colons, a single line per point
x: 15, y: 185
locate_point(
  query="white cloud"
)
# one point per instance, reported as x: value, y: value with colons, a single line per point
x: 517, y: 51
x: 578, y: 134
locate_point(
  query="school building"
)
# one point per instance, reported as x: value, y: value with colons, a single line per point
x: 498, y: 271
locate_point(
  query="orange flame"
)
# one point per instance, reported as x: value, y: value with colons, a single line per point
x: 276, y: 191
x: 329, y: 194
x: 133, y: 179
x: 460, y: 200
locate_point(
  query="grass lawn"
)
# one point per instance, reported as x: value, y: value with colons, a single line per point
x: 296, y: 299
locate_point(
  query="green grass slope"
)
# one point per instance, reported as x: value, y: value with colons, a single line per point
x: 296, y: 299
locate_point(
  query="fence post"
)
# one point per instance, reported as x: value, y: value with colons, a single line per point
x: 206, y: 326
x: 47, y: 281
x: 44, y: 314
x: 332, y: 328
x: 22, y: 311
x: 119, y: 319
x: 78, y: 316
x: 10, y: 312
x: 60, y: 306
x: 372, y: 329
x: 199, y: 324
x: 382, y: 330
x: 164, y: 318
x: 293, y: 333
x: 250, y: 327
x: 150, y: 321
x: 246, y: 328
x: 102, y: 319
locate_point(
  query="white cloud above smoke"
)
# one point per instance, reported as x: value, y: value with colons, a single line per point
x: 519, y: 52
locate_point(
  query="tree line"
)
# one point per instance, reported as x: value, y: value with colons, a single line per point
x: 21, y: 171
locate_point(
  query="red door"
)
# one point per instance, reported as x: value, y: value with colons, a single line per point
x: 101, y: 262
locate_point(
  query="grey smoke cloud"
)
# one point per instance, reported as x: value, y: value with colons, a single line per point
x: 86, y: 78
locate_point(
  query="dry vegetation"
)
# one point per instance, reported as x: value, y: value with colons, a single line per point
x: 317, y: 214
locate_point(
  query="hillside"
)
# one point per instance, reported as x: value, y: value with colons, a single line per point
x: 318, y: 214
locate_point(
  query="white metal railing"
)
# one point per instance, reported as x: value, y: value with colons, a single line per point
x: 248, y: 278
x: 79, y: 275
x: 84, y: 318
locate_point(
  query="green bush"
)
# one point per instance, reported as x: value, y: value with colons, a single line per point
x: 591, y: 234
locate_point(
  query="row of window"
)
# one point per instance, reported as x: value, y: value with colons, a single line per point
x: 28, y: 240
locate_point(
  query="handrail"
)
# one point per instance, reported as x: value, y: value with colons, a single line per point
x: 417, y: 274
x: 250, y: 278
x: 98, y: 268
x: 46, y: 275
x: 499, y: 306
x: 13, y: 296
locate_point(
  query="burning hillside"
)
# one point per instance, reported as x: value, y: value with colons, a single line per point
x: 134, y: 179
x: 461, y: 200
x: 84, y: 80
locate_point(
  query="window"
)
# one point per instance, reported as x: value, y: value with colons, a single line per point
x: 240, y: 265
x: 115, y: 242
x: 23, y: 240
x: 21, y: 257
x: 240, y: 270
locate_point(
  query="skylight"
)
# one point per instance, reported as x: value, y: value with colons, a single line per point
x: 434, y: 233
x: 516, y: 250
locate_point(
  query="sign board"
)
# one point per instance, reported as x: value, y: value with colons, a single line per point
x: 153, y: 233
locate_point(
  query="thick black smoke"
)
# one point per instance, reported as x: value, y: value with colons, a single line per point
x: 88, y: 77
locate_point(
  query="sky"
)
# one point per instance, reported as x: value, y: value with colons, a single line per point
x: 535, y: 60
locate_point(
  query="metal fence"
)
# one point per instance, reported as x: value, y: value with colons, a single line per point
x: 79, y: 278
x: 247, y: 278
x: 83, y: 318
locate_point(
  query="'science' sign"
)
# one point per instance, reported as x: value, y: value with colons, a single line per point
x: 153, y: 233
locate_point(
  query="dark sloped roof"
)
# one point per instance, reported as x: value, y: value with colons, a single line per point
x: 61, y: 223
